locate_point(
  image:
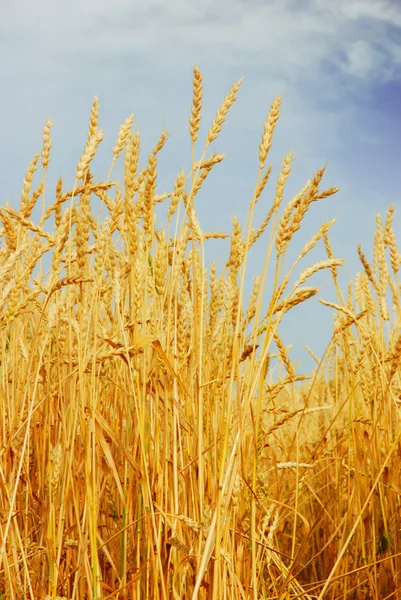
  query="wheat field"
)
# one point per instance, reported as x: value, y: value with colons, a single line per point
x: 146, y: 449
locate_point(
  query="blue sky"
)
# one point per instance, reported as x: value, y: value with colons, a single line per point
x: 337, y: 65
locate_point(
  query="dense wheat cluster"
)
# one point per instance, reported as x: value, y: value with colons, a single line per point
x: 146, y: 451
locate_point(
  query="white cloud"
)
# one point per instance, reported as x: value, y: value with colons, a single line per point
x: 277, y: 35
x: 385, y: 11
x: 311, y: 52
x: 362, y: 59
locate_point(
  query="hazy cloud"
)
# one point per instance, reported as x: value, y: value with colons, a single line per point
x: 278, y: 35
